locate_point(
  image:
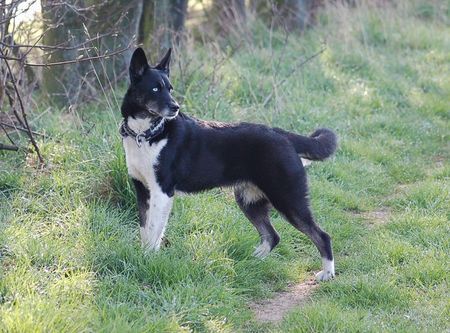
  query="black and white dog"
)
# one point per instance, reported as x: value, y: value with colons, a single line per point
x: 169, y: 152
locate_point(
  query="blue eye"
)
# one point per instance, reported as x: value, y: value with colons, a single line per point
x: 155, y: 89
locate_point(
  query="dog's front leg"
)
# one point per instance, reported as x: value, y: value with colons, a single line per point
x: 157, y: 215
x: 143, y: 200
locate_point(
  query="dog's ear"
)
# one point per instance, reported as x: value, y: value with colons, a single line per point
x: 165, y: 62
x: 138, y: 65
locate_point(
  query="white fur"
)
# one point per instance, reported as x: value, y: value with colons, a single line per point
x: 141, y: 163
x: 306, y: 162
x: 138, y: 125
x: 262, y: 250
x: 250, y: 193
x: 173, y: 117
x: 328, y: 270
x: 157, y: 216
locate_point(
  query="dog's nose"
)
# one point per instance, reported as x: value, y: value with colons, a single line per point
x: 174, y: 107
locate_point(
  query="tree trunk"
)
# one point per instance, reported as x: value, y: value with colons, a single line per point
x: 146, y: 23
x: 64, y: 27
x: 120, y: 18
x: 179, y: 9
x: 162, y: 24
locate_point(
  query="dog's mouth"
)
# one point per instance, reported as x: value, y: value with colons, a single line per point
x: 145, y: 113
x: 149, y: 112
x: 153, y: 113
x: 171, y: 116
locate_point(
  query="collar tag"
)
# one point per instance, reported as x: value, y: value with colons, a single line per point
x: 148, y: 135
x: 139, y: 139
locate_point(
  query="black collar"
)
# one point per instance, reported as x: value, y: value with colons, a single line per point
x: 156, y: 128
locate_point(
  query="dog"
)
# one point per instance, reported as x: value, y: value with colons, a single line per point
x: 168, y: 152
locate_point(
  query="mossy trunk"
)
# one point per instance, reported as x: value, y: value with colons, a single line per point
x: 63, y: 26
x: 162, y: 24
x: 121, y: 19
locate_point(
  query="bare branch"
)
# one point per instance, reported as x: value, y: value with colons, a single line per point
x: 60, y: 46
x: 8, y: 147
x: 24, y: 115
x: 11, y: 104
x: 20, y: 129
x: 74, y: 61
x: 7, y: 134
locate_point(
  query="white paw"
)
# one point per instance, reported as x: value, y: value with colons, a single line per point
x: 306, y: 162
x: 150, y: 246
x: 262, y: 250
x: 148, y: 249
x: 324, y: 276
x: 149, y: 243
x: 328, y: 270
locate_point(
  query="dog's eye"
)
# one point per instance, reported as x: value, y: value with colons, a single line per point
x: 155, y: 89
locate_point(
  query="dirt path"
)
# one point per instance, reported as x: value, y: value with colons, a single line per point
x: 376, y: 217
x: 274, y: 309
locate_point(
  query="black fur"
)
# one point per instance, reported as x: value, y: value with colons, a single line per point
x: 258, y: 215
x: 142, y: 196
x: 318, y: 146
x: 201, y: 155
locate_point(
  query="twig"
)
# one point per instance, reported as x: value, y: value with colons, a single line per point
x: 56, y: 47
x: 296, y: 68
x: 11, y: 104
x: 7, y: 134
x: 24, y: 116
x: 21, y: 129
x: 8, y: 147
x: 74, y: 61
x: 35, y: 43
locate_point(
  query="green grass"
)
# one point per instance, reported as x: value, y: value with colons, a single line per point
x: 70, y: 258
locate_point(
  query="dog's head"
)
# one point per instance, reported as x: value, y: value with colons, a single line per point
x: 149, y: 94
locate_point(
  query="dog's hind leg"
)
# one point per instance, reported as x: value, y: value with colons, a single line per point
x: 302, y: 219
x: 258, y: 213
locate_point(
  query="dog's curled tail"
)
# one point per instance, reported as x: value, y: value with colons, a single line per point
x: 317, y: 147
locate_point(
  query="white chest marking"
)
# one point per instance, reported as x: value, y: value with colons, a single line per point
x: 142, y: 163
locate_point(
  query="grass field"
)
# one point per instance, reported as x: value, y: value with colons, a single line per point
x: 70, y: 259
